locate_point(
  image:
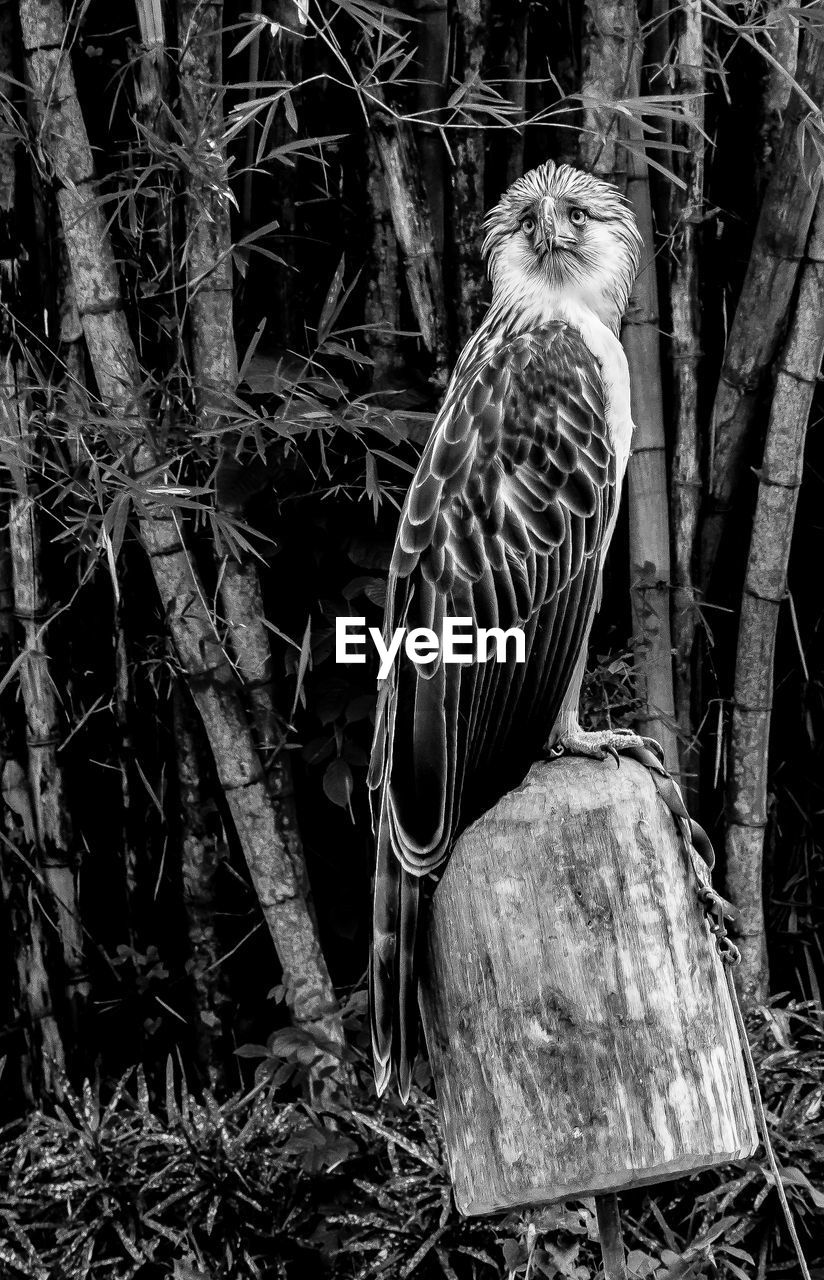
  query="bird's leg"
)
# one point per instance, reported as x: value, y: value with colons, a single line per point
x: 568, y: 738
x: 575, y: 741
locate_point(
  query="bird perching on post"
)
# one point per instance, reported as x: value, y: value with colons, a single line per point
x: 507, y: 523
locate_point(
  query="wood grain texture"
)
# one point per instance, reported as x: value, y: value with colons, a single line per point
x: 575, y: 1010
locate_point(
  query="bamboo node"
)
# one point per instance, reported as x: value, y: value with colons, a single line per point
x: 647, y: 448
x: 804, y: 379
x: 742, y: 383
x: 47, y: 740
x: 33, y: 615
x: 776, y: 484
x: 31, y: 50
x: 412, y: 254
x: 254, y: 780
x: 103, y: 308
x: 175, y: 548
x: 758, y: 595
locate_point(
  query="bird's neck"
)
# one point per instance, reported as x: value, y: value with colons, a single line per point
x: 517, y: 312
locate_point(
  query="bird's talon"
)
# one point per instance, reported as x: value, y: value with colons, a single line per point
x: 655, y: 747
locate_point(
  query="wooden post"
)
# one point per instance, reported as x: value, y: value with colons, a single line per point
x: 577, y: 1017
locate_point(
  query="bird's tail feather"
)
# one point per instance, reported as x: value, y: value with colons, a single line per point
x: 393, y: 979
x: 406, y: 1035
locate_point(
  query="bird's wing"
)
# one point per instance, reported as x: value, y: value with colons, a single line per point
x: 505, y: 523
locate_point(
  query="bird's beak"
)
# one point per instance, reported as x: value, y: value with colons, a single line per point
x: 547, y: 226
x: 550, y: 235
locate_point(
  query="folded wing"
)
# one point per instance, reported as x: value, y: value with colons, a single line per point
x: 506, y: 522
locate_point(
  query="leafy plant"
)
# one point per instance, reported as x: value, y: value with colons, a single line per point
x: 257, y: 1185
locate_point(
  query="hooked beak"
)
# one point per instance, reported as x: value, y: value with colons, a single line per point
x: 547, y: 226
x: 549, y: 234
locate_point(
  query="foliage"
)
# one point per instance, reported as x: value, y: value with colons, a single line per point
x: 305, y: 466
x: 259, y: 1186
x: 302, y: 472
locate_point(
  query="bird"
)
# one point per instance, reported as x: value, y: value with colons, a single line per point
x: 506, y: 522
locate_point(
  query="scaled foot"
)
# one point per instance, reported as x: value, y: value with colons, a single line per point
x: 608, y: 742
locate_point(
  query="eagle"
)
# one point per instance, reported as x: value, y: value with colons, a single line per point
x: 507, y: 523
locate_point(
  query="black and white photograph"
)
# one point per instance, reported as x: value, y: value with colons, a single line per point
x: 411, y: 640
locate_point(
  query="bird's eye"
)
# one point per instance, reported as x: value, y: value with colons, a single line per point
x: 527, y: 226
x: 577, y: 217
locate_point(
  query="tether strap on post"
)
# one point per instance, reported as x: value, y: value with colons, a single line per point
x: 717, y: 911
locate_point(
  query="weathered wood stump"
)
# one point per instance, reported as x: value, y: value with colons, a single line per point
x: 576, y: 1012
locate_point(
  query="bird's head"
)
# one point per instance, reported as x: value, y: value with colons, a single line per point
x: 559, y: 234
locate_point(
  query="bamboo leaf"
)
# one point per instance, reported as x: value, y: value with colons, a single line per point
x: 257, y: 26
x: 328, y: 309
x: 291, y: 115
x: 303, y: 665
x: 115, y: 520
x: 372, y: 484
x: 250, y: 350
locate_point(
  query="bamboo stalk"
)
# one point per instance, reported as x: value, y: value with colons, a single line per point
x: 382, y: 313
x: 252, y: 79
x: 413, y: 228
x: 685, y: 215
x: 648, y: 505
x: 210, y: 676
x: 660, y: 41
x: 122, y: 703
x: 516, y: 34
x: 249, y: 642
x: 42, y: 1057
x: 288, y: 51
x: 208, y: 231
x: 466, y: 210
x: 608, y: 50
x: 214, y: 361
x: 765, y: 587
x: 153, y: 78
x: 763, y: 307
x: 58, y: 860
x: 10, y: 247
x: 612, y: 51
x: 203, y: 849
x: 775, y: 95
x: 153, y: 96
x: 71, y: 349
x: 431, y: 36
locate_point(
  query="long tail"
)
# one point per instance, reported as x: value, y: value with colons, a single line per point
x: 393, y: 979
